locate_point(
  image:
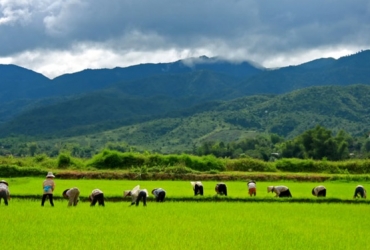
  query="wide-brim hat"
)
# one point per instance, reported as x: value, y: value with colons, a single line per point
x: 126, y: 193
x: 2, y: 181
x: 50, y: 175
x: 270, y: 188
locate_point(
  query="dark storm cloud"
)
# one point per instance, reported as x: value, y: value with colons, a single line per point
x: 249, y: 28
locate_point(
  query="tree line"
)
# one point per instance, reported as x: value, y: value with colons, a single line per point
x: 317, y: 143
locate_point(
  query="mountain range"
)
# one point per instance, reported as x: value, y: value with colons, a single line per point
x: 216, y: 94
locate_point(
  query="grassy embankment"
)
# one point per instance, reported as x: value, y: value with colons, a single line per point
x: 116, y: 165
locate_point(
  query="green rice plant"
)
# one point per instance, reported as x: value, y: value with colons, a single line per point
x: 173, y: 225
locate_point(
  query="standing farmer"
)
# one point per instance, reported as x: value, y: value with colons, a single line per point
x: 72, y: 195
x: 221, y: 189
x: 159, y: 194
x: 197, y: 187
x: 136, y: 194
x: 280, y: 191
x: 96, y: 196
x: 252, y: 190
x: 4, y: 192
x: 319, y: 191
x: 48, y: 186
x: 360, y: 191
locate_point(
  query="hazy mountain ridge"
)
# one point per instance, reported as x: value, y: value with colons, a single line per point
x: 204, y: 96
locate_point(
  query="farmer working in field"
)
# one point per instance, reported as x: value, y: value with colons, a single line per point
x: 221, y: 189
x: 96, y: 196
x: 48, y: 186
x: 136, y: 194
x: 197, y: 187
x: 4, y: 192
x: 280, y: 191
x: 360, y: 191
x: 72, y: 195
x: 252, y: 190
x: 319, y: 191
x: 159, y: 194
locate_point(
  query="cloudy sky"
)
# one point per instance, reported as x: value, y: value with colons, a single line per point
x: 54, y: 37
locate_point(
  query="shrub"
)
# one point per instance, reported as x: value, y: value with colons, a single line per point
x: 14, y: 171
x: 64, y: 161
x: 40, y: 158
x: 295, y: 165
x: 250, y: 164
x: 179, y: 170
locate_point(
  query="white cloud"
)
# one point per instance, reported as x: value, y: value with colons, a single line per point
x: 98, y: 33
x: 14, y: 11
x: 55, y: 63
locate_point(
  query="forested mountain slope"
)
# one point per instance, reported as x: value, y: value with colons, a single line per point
x: 354, y: 69
x: 288, y: 115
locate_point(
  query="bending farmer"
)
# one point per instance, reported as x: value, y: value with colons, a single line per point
x: 4, y: 192
x: 360, y: 191
x: 221, y: 189
x: 96, y: 196
x: 159, y: 194
x: 319, y: 191
x: 197, y: 187
x: 280, y: 191
x: 136, y: 194
x: 72, y: 195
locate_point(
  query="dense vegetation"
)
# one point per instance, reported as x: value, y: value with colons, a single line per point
x: 317, y: 143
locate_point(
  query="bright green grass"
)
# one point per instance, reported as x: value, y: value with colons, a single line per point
x: 173, y: 225
x: 33, y: 186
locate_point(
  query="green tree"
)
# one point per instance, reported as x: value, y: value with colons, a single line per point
x: 32, y: 148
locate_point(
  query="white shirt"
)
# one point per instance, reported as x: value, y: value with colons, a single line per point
x: 68, y: 193
x: 317, y: 189
x: 3, y: 186
x: 251, y: 185
x: 96, y: 192
x: 136, y: 194
x: 279, y: 189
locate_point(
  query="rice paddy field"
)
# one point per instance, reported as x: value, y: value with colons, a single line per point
x: 115, y: 188
x: 184, y: 225
x: 180, y: 225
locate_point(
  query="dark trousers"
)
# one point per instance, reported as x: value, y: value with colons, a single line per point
x: 286, y: 193
x: 142, y: 195
x: 161, y: 196
x: 322, y: 193
x: 50, y: 199
x: 4, y: 195
x: 98, y: 198
x: 221, y: 189
x: 198, y: 190
x: 359, y: 192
